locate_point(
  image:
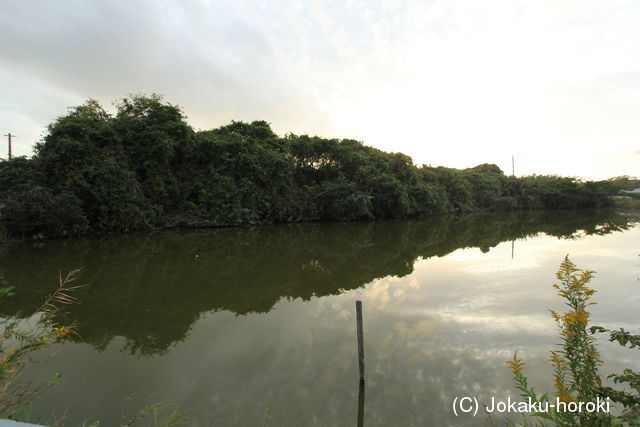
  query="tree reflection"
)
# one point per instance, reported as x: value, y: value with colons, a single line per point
x: 151, y: 288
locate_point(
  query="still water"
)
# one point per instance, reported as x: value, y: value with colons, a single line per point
x: 256, y: 326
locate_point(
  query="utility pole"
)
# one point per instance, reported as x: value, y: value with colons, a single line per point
x: 9, y: 136
x: 513, y: 166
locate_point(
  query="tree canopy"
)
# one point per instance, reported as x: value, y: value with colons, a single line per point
x: 145, y: 167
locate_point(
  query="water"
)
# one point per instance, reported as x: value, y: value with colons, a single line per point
x: 256, y: 326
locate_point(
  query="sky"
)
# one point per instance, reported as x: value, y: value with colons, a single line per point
x: 451, y: 83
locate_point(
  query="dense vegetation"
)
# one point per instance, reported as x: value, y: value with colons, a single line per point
x: 146, y: 168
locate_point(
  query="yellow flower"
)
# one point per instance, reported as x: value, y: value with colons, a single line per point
x: 62, y: 331
x: 516, y: 365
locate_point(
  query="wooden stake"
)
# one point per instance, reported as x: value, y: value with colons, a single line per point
x: 361, y: 404
x: 360, y: 339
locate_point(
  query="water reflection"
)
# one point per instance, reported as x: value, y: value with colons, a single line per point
x: 360, y: 421
x: 151, y: 289
x: 254, y: 347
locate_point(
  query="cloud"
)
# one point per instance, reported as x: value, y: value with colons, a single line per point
x: 213, y: 59
x: 448, y: 83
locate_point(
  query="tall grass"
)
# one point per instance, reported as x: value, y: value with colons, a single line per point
x: 19, y: 340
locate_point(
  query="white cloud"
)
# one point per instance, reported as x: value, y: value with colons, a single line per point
x: 453, y: 83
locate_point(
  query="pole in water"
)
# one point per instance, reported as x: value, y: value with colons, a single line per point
x: 360, y: 339
x: 361, y: 403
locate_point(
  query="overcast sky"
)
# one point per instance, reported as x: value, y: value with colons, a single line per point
x: 455, y: 83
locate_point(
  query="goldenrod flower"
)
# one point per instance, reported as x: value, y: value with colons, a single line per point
x: 516, y: 364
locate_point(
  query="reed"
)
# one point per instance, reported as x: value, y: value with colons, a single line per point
x: 20, y: 340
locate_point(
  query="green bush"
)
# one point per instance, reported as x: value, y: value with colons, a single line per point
x: 145, y: 167
x: 36, y: 212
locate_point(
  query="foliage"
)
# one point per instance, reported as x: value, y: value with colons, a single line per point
x: 629, y: 400
x: 624, y: 182
x: 144, y: 167
x: 37, y: 212
x: 576, y: 362
x: 175, y: 417
x: 19, y: 343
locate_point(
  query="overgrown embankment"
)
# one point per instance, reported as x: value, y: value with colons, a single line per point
x: 145, y: 167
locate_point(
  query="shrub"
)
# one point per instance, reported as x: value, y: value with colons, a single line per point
x: 576, y: 362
